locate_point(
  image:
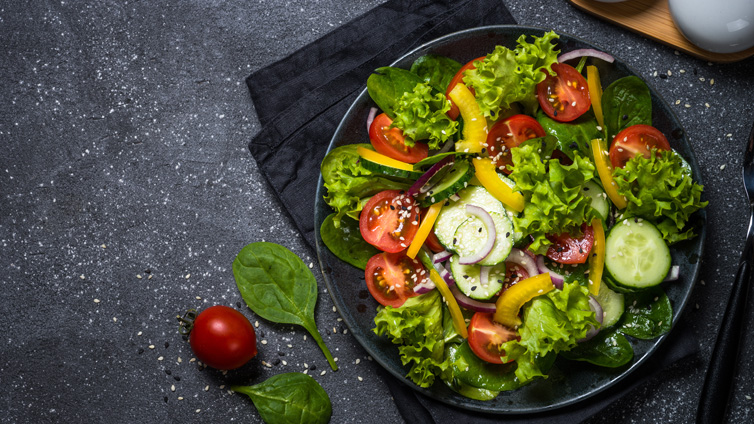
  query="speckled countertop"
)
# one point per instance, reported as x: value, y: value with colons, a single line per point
x: 126, y: 190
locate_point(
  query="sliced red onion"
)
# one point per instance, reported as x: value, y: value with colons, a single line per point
x: 557, y: 279
x: 491, y: 236
x: 674, y: 273
x: 447, y: 276
x: 599, y: 315
x: 573, y: 54
x: 421, y: 186
x: 370, y: 118
x: 525, y: 261
x: 424, y: 287
x: 471, y: 304
x: 441, y: 256
x: 484, y: 275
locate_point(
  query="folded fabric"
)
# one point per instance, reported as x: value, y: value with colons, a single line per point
x: 301, y: 99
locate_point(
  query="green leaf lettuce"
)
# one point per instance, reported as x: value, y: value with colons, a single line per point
x: 422, y: 115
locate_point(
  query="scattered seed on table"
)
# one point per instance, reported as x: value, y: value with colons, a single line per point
x: 285, y: 362
x: 238, y: 304
x: 138, y: 276
x: 139, y: 333
x: 180, y: 397
x: 168, y: 372
x: 264, y: 341
x: 357, y: 361
x: 360, y: 379
x: 177, y: 378
x: 323, y: 373
x: 198, y: 411
x: 313, y: 367
x: 160, y: 358
x: 165, y: 399
x: 276, y: 361
x: 206, y: 388
x: 188, y: 276
x: 198, y: 298
x: 256, y: 324
x: 167, y: 345
x: 281, y: 353
x: 172, y: 387
x: 96, y: 300
x: 141, y: 351
x: 222, y: 386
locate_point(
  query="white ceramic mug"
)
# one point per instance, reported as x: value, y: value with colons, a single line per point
x: 719, y: 26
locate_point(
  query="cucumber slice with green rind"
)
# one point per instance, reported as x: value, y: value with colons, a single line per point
x: 454, y: 213
x: 469, y: 283
x: 472, y: 234
x: 636, y: 256
x: 613, y: 305
x: 455, y: 180
x: 389, y: 171
x: 599, y: 199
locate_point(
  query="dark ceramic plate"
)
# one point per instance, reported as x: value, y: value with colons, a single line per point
x: 569, y: 382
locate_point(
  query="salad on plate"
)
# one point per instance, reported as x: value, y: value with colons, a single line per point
x: 509, y: 211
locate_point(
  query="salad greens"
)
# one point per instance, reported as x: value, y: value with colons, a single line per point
x: 565, y: 189
x: 279, y: 287
x: 289, y: 398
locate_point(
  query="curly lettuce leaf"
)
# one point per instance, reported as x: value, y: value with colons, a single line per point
x: 661, y: 190
x: 551, y: 323
x: 507, y: 76
x: 422, y: 115
x: 417, y: 328
x: 347, y: 182
x: 555, y: 200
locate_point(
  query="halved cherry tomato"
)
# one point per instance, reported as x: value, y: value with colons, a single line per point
x: 389, y: 220
x: 513, y: 274
x: 391, y: 277
x: 570, y: 249
x: 392, y: 143
x: 564, y: 96
x: 486, y: 337
x: 458, y: 77
x: 509, y: 133
x: 433, y: 243
x: 636, y: 140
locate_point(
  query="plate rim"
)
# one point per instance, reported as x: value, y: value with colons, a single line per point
x: 678, y: 310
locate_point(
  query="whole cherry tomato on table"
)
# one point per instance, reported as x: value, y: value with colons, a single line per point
x: 222, y: 338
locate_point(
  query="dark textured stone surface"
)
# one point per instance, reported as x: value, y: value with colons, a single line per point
x: 126, y: 190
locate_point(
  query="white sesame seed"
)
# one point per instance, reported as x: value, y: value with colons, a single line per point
x: 360, y: 379
x: 96, y: 300
x: 139, y: 333
x: 180, y: 397
x: 82, y: 277
x: 172, y: 388
x: 160, y: 358
x: 138, y: 276
x: 198, y: 411
x: 256, y: 324
x: 104, y: 246
x: 180, y: 360
x: 198, y: 298
x: 151, y: 346
x: 264, y: 342
x: 323, y: 373
x: 206, y: 388
x: 357, y: 361
x: 188, y: 276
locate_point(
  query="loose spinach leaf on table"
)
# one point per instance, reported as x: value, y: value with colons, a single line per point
x: 346, y: 242
x: 607, y: 349
x: 279, y: 287
x: 289, y: 398
x: 436, y: 71
x: 648, y: 314
x: 387, y: 85
x: 626, y: 102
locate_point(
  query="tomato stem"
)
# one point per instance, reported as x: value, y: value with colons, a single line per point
x: 186, y: 322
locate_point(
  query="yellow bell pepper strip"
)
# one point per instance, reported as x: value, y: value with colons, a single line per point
x: 424, y: 229
x: 512, y: 299
x: 455, y: 311
x: 597, y: 257
x: 486, y: 174
x: 375, y: 157
x: 605, y: 171
x: 595, y: 92
x: 474, y: 122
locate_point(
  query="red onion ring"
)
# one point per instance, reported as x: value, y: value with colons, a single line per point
x: 599, y: 314
x: 447, y: 276
x: 425, y: 286
x: 484, y: 275
x: 441, y: 256
x: 522, y: 259
x: 557, y: 279
x: 370, y: 118
x: 573, y: 54
x: 673, y: 274
x: 491, y: 236
x: 420, y: 186
x: 471, y: 304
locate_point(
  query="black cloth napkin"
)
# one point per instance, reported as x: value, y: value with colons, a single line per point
x: 301, y: 99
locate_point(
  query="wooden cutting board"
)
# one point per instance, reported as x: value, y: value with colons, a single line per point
x: 652, y: 19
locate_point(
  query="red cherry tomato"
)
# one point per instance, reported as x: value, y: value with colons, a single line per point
x: 636, y: 140
x: 223, y: 338
x: 486, y: 337
x: 564, y: 96
x: 458, y: 77
x: 570, y: 249
x: 391, y: 142
x: 389, y: 220
x: 510, y: 133
x: 391, y: 277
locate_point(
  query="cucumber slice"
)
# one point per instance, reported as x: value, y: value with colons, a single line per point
x: 469, y: 283
x: 389, y: 171
x: 613, y: 305
x: 454, y: 213
x: 636, y: 256
x: 599, y: 199
x: 472, y: 234
x: 453, y: 181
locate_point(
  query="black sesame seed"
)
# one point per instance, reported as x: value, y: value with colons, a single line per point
x: 480, y: 230
x: 261, y: 334
x: 147, y: 271
x: 554, y: 113
x: 473, y: 288
x: 465, y: 276
x: 141, y: 351
x: 586, y: 188
x: 312, y: 367
x: 573, y: 145
x: 168, y: 372
x: 508, y: 234
x: 176, y: 378
x: 238, y: 304
x: 281, y: 353
x: 663, y: 76
x: 165, y: 399
x: 392, y: 208
x: 625, y: 117
x: 276, y: 361
x: 167, y: 345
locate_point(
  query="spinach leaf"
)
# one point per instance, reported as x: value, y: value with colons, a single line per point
x: 573, y: 137
x: 607, y: 349
x: 289, y: 398
x: 387, y: 85
x: 471, y: 392
x: 436, y: 71
x: 648, y: 314
x: 626, y: 102
x: 469, y: 369
x: 279, y: 287
x: 346, y: 242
